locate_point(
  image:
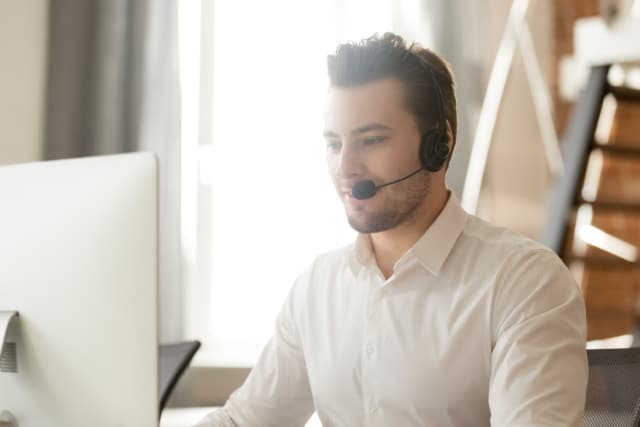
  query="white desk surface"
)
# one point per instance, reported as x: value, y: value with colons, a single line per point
x: 187, y: 417
x: 182, y: 417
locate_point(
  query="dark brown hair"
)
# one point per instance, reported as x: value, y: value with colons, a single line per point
x: 389, y: 55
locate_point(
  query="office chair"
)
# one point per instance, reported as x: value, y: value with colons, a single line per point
x: 613, y: 391
x: 174, y: 360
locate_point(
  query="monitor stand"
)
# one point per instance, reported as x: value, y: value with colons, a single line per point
x: 5, y: 320
x: 6, y: 419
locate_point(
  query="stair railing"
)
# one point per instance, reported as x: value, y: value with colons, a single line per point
x: 516, y: 34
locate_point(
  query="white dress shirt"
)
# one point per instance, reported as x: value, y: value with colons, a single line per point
x: 477, y: 326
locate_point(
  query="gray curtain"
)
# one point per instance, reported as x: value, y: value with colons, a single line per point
x: 113, y: 87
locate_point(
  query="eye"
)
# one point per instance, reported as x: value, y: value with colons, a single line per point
x: 370, y: 140
x: 333, y: 145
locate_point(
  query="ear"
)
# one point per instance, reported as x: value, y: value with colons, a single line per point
x: 450, y: 141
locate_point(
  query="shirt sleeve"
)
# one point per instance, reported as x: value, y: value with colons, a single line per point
x: 539, y: 365
x: 277, y: 391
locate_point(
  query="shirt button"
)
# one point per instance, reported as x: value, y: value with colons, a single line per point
x: 370, y: 350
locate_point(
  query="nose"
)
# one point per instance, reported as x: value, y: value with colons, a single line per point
x: 349, y: 162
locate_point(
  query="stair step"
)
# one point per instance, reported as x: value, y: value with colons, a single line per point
x: 612, y: 178
x: 619, y: 122
x: 610, y: 294
x: 619, y: 149
x: 613, y: 235
x: 625, y: 93
x: 608, y: 325
x: 622, y: 207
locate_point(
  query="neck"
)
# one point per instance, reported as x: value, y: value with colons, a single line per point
x: 389, y: 245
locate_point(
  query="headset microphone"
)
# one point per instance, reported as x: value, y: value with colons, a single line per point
x: 362, y: 190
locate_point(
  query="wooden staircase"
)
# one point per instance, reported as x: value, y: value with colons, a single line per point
x: 593, y: 217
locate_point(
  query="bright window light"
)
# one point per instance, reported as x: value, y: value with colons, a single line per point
x: 259, y: 205
x: 273, y: 205
x: 189, y: 51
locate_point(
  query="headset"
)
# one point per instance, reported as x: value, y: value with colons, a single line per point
x: 434, y: 144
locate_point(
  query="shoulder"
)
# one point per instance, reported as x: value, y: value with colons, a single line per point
x: 528, y: 280
x: 334, y: 258
x: 495, y: 240
x: 488, y: 252
x: 507, y: 252
x: 316, y: 286
x: 516, y: 267
x: 323, y: 269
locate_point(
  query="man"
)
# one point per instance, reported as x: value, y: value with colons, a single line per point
x: 432, y: 317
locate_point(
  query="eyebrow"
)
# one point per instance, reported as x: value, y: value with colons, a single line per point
x: 360, y: 130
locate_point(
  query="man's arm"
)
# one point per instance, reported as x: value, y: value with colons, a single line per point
x: 276, y: 392
x: 539, y: 362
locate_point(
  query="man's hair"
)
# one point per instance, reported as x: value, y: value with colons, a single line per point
x: 376, y: 57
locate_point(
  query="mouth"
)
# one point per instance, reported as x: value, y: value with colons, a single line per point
x: 352, y: 202
x: 346, y: 193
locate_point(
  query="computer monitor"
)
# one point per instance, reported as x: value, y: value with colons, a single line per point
x: 78, y: 261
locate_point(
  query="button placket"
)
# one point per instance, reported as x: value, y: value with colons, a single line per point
x: 369, y: 352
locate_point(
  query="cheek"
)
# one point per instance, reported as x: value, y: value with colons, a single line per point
x: 332, y: 165
x: 401, y: 160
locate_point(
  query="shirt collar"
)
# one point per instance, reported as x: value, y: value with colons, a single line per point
x: 431, y: 250
x: 362, y: 254
x: 435, y: 245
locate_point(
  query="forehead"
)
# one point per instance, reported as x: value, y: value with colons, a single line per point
x: 380, y: 101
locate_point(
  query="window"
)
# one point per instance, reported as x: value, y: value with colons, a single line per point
x: 261, y: 204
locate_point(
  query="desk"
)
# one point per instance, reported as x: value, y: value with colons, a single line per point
x: 182, y: 417
x: 186, y: 417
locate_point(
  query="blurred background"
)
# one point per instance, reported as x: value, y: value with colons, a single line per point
x: 229, y: 95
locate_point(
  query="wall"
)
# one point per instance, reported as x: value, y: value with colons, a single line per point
x: 517, y: 177
x: 23, y: 48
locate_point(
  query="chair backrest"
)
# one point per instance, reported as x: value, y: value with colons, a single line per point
x: 174, y: 359
x: 613, y: 392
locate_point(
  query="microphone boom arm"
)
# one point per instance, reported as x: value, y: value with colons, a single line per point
x: 399, y: 179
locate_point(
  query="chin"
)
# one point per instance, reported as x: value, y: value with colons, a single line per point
x: 368, y: 225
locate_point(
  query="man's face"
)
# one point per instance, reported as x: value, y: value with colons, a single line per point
x: 371, y: 135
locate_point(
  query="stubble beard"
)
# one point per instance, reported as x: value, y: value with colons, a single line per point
x: 400, y: 205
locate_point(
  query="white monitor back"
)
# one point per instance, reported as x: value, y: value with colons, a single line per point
x: 78, y: 261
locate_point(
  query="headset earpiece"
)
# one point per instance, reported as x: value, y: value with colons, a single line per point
x: 434, y: 150
x: 434, y: 145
